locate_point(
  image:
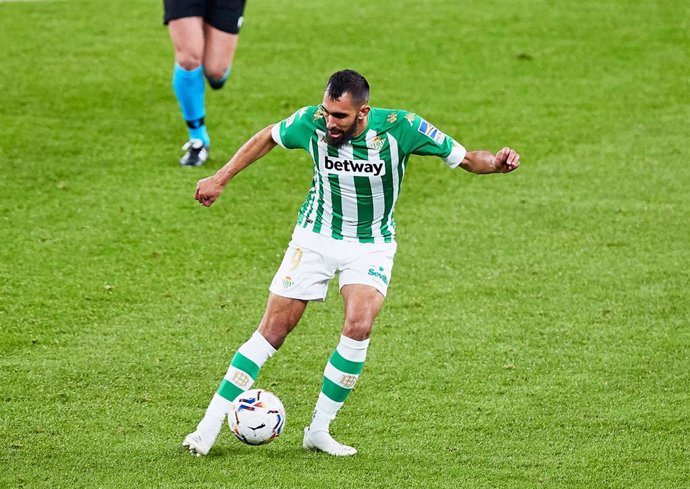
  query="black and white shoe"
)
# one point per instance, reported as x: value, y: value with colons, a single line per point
x: 196, y: 153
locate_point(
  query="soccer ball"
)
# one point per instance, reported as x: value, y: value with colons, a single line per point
x: 257, y: 417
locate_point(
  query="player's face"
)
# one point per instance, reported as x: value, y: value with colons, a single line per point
x: 344, y: 119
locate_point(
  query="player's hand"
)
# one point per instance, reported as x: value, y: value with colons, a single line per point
x: 506, y: 160
x: 208, y: 190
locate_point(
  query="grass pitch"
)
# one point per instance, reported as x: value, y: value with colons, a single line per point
x: 536, y: 330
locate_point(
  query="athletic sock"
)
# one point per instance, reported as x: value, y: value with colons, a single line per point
x: 189, y: 89
x: 241, y: 374
x: 339, y: 378
x: 217, y: 83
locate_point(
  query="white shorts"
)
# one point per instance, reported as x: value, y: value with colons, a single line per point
x: 312, y: 260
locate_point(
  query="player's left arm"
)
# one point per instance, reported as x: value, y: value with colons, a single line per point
x: 423, y: 138
x: 506, y: 160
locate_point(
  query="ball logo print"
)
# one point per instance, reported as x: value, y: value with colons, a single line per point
x: 257, y: 417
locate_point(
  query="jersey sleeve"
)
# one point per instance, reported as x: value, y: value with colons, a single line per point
x: 295, y: 131
x: 423, y: 138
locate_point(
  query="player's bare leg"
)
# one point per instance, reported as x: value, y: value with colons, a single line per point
x: 219, y: 52
x: 187, y: 35
x: 362, y: 304
x: 281, y: 317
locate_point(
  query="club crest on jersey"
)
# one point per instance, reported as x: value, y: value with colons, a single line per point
x: 355, y: 168
x: 375, y: 143
x: 430, y: 131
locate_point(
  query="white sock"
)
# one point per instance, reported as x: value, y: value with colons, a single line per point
x: 258, y: 350
x: 327, y: 408
x: 217, y: 409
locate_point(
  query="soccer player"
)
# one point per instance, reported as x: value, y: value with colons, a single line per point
x: 345, y: 226
x: 204, y: 34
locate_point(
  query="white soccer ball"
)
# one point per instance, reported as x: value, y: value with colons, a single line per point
x: 257, y: 417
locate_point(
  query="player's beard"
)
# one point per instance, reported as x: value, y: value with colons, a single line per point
x: 345, y: 135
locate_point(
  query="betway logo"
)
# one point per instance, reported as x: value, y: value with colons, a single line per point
x: 361, y: 168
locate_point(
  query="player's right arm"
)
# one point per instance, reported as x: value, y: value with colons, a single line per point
x: 291, y: 133
x: 209, y: 189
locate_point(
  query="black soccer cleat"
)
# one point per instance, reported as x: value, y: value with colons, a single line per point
x: 196, y: 153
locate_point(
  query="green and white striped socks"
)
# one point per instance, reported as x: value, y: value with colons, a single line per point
x: 339, y: 378
x: 241, y: 374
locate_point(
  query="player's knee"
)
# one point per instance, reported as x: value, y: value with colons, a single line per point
x: 275, y: 330
x: 216, y: 75
x: 189, y: 61
x: 275, y: 336
x: 358, y: 328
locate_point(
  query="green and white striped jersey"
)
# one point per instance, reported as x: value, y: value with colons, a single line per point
x: 355, y: 186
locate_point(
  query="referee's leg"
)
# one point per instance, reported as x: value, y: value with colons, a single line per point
x: 222, y: 23
x: 187, y: 34
x: 219, y: 51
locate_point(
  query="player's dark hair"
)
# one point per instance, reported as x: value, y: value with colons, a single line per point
x: 348, y: 81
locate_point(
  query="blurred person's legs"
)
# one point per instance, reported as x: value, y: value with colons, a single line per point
x: 187, y: 35
x: 204, y: 34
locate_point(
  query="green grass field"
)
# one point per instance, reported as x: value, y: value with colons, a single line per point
x: 536, y: 332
